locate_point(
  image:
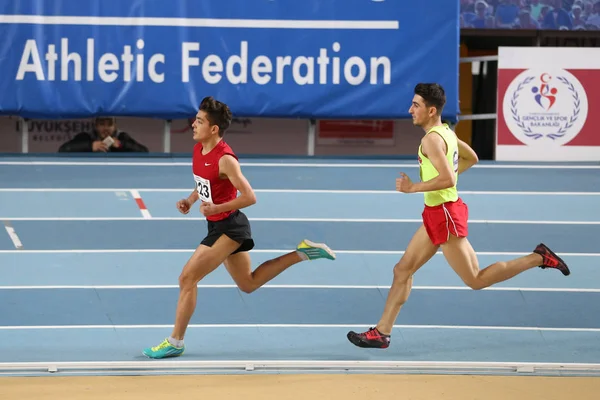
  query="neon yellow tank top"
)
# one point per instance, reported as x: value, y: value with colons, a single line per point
x: 428, y: 171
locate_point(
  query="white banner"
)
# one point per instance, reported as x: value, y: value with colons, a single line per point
x: 548, y: 102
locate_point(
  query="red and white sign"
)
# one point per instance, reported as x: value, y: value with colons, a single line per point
x: 548, y: 102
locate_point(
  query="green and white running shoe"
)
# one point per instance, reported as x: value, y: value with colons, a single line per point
x: 164, y: 350
x: 315, y: 251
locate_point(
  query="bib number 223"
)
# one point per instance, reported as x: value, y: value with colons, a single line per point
x: 203, y: 188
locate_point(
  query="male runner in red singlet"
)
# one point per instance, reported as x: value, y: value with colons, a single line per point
x: 218, y: 178
x: 442, y: 157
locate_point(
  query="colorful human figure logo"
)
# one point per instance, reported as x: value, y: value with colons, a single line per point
x: 545, y: 96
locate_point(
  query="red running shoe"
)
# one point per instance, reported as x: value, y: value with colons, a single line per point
x: 371, y: 339
x: 551, y: 260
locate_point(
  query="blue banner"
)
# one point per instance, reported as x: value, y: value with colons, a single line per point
x: 265, y: 58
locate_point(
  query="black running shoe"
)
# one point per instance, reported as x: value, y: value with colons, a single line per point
x: 551, y: 260
x: 370, y: 339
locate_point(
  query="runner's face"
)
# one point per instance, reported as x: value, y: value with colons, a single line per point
x: 202, y: 128
x: 420, y: 112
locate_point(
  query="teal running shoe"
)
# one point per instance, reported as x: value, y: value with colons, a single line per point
x: 315, y: 251
x: 163, y: 350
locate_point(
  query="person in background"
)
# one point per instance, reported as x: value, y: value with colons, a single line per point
x: 557, y: 18
x: 525, y: 20
x: 536, y: 9
x: 104, y: 138
x: 593, y: 19
x: 507, y: 13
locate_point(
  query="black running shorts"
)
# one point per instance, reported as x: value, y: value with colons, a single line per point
x: 236, y: 226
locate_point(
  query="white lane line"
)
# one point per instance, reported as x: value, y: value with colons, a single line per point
x: 294, y: 165
x: 297, y: 326
x: 146, y: 216
x: 13, y: 235
x: 283, y: 286
x: 140, y: 203
x: 270, y: 251
x: 298, y: 191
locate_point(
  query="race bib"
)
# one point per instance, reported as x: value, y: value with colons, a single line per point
x: 203, y: 188
x: 455, y: 161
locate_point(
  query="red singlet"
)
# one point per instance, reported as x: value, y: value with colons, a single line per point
x: 210, y: 186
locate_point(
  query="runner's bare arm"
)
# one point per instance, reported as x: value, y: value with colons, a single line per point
x: 434, y: 147
x: 184, y: 205
x: 230, y: 167
x: 193, y: 197
x: 466, y: 157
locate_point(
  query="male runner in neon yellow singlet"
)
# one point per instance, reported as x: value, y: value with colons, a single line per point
x: 442, y: 157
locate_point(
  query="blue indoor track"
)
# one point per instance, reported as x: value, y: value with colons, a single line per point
x: 88, y: 280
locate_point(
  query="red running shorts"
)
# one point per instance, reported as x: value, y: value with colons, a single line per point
x: 446, y: 219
